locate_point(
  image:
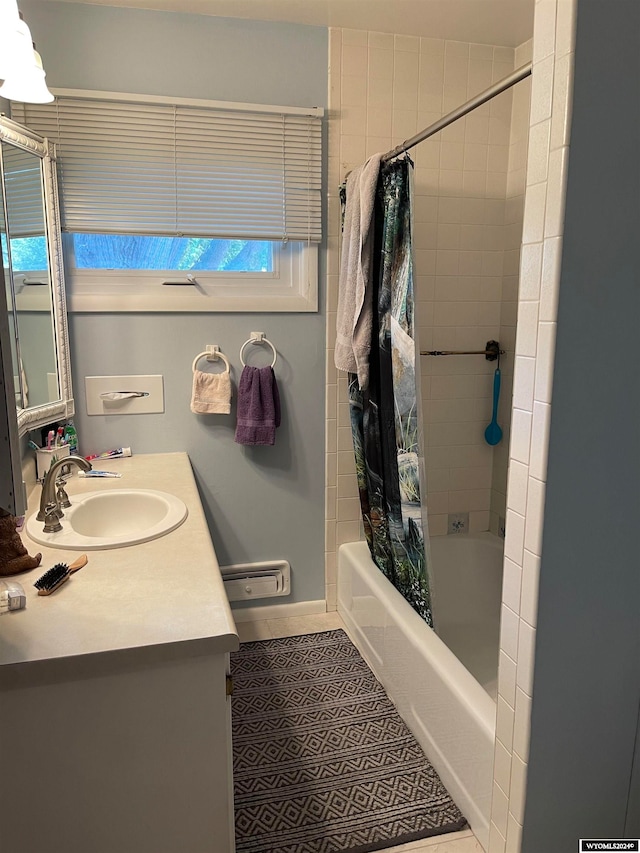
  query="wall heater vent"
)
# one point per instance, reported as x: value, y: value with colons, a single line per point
x: 244, y: 581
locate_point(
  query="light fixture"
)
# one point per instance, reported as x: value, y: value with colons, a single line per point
x: 20, y: 65
x: 9, y: 20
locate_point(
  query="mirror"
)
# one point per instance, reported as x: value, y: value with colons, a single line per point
x: 33, y: 275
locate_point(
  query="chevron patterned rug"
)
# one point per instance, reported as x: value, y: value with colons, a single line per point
x: 322, y: 761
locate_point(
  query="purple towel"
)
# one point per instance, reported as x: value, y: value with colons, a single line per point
x: 258, y: 406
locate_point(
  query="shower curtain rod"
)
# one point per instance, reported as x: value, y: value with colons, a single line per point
x: 477, y: 101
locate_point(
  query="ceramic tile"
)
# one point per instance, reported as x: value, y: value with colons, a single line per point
x: 514, y: 537
x: 556, y: 192
x: 522, y: 725
x: 380, y: 63
x: 526, y: 651
x: 347, y: 531
x: 541, y: 90
x: 511, y: 583
x: 514, y: 835
x: 507, y: 679
x: 349, y: 509
x: 550, y: 279
x: 529, y: 588
x: 509, y: 626
x: 523, y: 382
x: 517, y: 487
x: 354, y: 59
x: 562, y: 99
x: 347, y: 486
x: 517, y: 792
x: 534, y: 207
x: 410, y: 43
x: 538, y: 157
x: 520, y: 435
x: 530, y: 270
x: 330, y: 537
x: 544, y: 363
x: 331, y: 567
x: 330, y: 502
x: 505, y: 716
x: 481, y: 51
x: 527, y: 329
x: 431, y: 46
x: 566, y: 26
x: 496, y: 840
x: 499, y: 810
x: 382, y: 40
x: 544, y: 29
x: 350, y: 36
x: 539, y: 440
x: 535, y: 516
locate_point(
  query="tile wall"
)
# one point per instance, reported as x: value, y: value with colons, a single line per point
x: 514, y: 210
x: 549, y: 117
x: 383, y: 89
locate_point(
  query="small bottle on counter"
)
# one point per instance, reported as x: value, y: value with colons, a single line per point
x: 71, y: 438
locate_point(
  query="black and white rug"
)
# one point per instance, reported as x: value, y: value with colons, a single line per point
x: 322, y: 761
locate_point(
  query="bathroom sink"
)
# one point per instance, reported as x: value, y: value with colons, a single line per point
x: 112, y: 519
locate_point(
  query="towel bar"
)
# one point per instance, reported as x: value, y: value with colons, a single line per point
x: 258, y: 338
x: 212, y: 353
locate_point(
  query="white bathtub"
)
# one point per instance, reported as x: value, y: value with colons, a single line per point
x: 450, y: 713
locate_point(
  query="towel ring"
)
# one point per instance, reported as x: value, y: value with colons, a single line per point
x: 209, y: 355
x: 258, y: 339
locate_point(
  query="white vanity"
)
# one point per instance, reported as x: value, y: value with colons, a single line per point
x: 114, y: 720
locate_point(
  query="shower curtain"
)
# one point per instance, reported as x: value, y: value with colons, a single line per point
x: 384, y: 416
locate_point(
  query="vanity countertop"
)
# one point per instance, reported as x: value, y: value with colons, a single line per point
x: 167, y: 591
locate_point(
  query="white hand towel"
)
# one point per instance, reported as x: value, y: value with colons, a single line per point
x: 211, y: 393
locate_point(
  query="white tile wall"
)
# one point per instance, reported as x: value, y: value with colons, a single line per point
x: 382, y: 89
x: 517, y: 138
x: 549, y: 120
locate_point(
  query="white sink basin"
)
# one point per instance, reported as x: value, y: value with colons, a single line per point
x: 112, y: 519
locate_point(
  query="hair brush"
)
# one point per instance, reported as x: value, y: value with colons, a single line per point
x: 56, y: 576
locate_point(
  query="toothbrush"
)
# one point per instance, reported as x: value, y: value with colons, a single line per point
x: 56, y: 576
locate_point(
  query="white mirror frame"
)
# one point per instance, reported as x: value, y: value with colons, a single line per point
x: 38, y: 416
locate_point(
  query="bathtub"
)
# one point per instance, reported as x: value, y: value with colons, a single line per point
x: 451, y: 713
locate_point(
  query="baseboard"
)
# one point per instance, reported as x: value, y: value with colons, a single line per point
x: 279, y: 611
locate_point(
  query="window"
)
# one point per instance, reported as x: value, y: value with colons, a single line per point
x: 185, y: 205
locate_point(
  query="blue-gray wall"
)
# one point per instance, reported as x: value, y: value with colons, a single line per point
x: 261, y: 503
x: 586, y: 688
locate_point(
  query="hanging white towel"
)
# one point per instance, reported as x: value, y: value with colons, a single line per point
x: 211, y: 394
x: 355, y: 303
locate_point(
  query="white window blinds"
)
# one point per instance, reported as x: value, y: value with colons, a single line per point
x: 131, y: 167
x: 23, y: 191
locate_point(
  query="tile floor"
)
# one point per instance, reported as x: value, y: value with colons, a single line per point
x: 268, y: 629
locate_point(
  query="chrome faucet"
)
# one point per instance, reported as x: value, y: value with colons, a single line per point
x: 49, y: 511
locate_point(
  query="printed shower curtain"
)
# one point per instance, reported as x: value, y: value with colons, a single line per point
x: 384, y: 417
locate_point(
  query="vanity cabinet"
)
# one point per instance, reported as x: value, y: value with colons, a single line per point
x: 114, y: 718
x: 126, y: 753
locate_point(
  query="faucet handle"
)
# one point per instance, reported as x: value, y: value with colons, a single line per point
x: 51, y: 519
x: 62, y: 498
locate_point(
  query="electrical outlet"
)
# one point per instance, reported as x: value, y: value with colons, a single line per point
x: 458, y: 522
